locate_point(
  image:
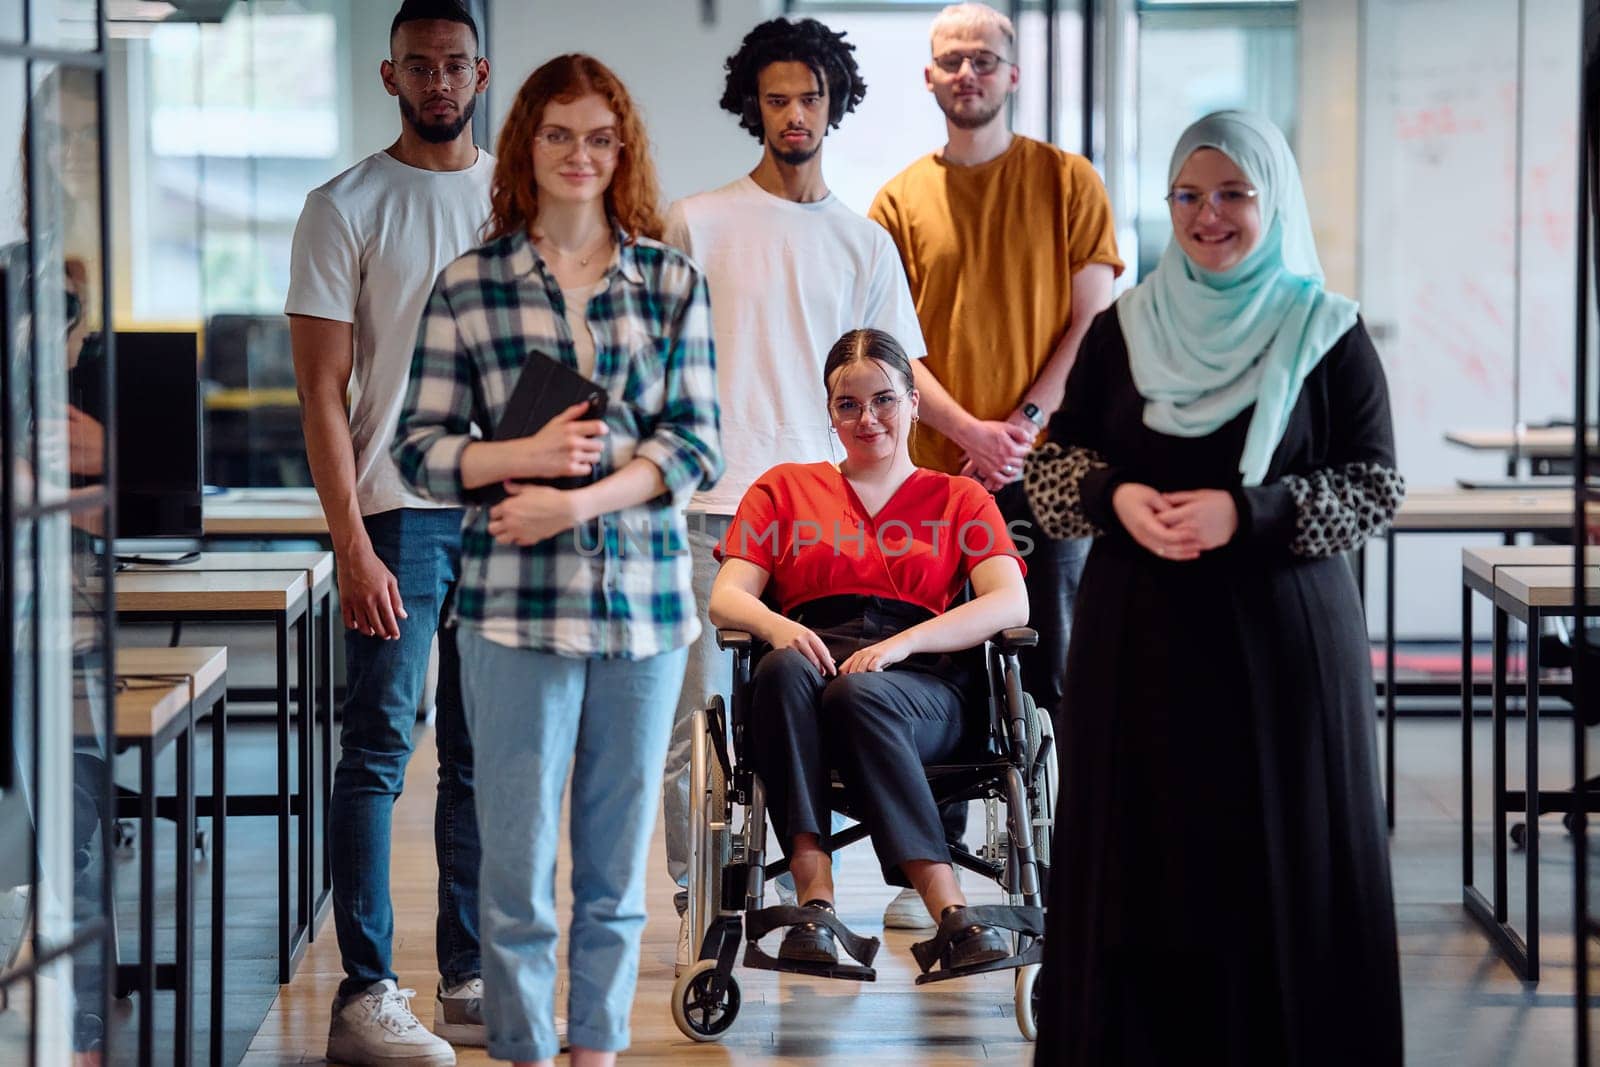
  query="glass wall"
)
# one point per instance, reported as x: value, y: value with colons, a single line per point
x: 1194, y: 59
x: 899, y: 120
x: 55, y: 782
x: 225, y: 126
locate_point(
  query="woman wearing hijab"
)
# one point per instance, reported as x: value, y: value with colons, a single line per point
x: 1222, y: 889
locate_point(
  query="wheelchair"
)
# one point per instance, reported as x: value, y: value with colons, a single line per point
x: 1012, y: 770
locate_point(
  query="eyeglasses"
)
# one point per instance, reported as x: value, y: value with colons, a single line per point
x: 884, y: 406
x: 452, y: 75
x: 983, y: 62
x: 1228, y: 200
x: 559, y: 141
x: 73, y: 307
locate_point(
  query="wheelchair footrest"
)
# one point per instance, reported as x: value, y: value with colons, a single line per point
x: 1034, y: 953
x: 758, y: 924
x: 1022, y: 920
x: 756, y: 958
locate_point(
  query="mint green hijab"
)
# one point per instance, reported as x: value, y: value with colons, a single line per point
x: 1204, y: 346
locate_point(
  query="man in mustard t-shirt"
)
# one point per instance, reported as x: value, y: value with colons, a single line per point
x: 1010, y: 251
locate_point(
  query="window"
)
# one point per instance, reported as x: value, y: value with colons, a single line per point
x: 1193, y: 62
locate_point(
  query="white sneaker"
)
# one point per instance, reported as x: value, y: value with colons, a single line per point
x: 458, y: 1014
x: 685, y: 957
x: 377, y: 1027
x: 907, y: 912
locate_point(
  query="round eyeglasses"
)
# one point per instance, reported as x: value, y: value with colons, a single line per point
x: 1228, y: 200
x: 884, y: 407
x: 559, y: 141
x: 983, y: 62
x: 454, y: 75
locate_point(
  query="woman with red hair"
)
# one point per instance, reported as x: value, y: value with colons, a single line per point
x: 575, y: 608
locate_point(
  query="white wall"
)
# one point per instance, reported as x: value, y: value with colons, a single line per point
x: 670, y: 62
x: 1439, y: 271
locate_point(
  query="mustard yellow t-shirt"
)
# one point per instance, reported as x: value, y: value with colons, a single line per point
x: 990, y: 251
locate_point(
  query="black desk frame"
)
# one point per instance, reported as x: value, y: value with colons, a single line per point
x: 147, y: 976
x: 1518, y: 950
x: 312, y: 894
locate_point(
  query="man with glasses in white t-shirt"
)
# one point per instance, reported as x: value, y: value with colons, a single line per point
x: 367, y: 249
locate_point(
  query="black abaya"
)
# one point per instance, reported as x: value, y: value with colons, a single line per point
x: 1221, y: 889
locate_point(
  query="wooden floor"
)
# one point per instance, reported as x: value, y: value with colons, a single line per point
x: 784, y: 1019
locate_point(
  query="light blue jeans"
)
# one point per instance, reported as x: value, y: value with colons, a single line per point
x: 532, y: 716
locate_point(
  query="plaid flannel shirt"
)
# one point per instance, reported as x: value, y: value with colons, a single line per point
x: 618, y: 586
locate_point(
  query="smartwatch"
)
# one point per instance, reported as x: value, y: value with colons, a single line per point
x: 1031, y: 411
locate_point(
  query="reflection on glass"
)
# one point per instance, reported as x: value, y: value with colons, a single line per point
x: 71, y: 25
x: 63, y: 209
x: 52, y: 815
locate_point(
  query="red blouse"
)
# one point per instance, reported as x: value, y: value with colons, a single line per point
x: 803, y: 524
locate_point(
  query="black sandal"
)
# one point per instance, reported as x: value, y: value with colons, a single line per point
x: 810, y: 942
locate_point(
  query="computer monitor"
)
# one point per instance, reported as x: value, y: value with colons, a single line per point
x: 158, y: 444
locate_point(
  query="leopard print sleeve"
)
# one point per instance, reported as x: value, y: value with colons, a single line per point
x: 1337, y: 509
x: 1053, y: 480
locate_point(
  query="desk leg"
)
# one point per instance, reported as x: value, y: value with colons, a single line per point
x: 147, y: 900
x: 219, y: 868
x: 183, y: 957
x: 306, y: 873
x: 327, y: 741
x: 1531, y: 750
x: 285, y: 968
x: 1498, y: 774
x: 1388, y: 674
x: 1466, y: 734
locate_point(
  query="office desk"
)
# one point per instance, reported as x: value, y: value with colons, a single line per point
x: 159, y: 693
x: 281, y: 599
x: 318, y: 569
x: 1537, y: 445
x: 1526, y: 584
x: 1455, y: 510
x: 265, y: 514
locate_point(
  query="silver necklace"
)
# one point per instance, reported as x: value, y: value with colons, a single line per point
x: 605, y: 242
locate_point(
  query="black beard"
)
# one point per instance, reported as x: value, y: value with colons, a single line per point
x: 794, y: 158
x: 437, y: 132
x: 972, y: 121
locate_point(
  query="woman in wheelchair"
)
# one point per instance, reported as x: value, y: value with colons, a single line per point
x: 864, y: 561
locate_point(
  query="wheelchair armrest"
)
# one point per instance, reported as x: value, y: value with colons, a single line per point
x: 734, y: 640
x: 1015, y: 638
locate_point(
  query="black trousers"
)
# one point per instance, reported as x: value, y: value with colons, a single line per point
x: 877, y: 729
x: 1054, y: 569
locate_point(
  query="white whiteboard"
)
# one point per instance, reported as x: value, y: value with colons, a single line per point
x: 1438, y: 255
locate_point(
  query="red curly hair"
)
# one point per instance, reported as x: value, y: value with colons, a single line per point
x: 632, y: 199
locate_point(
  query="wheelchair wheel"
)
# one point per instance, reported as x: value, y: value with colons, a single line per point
x: 699, y: 1015
x: 1043, y: 803
x: 1027, y: 1001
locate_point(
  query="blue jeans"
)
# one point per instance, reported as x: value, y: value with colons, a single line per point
x: 384, y: 682
x: 533, y: 716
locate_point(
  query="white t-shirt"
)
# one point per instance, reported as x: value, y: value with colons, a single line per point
x: 367, y: 249
x: 786, y: 280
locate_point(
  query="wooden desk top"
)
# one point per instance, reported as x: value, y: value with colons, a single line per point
x: 1485, y: 561
x: 167, y: 589
x: 318, y: 565
x: 146, y: 706
x: 1547, y: 587
x: 265, y: 512
x: 1545, y: 442
x: 1490, y: 510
